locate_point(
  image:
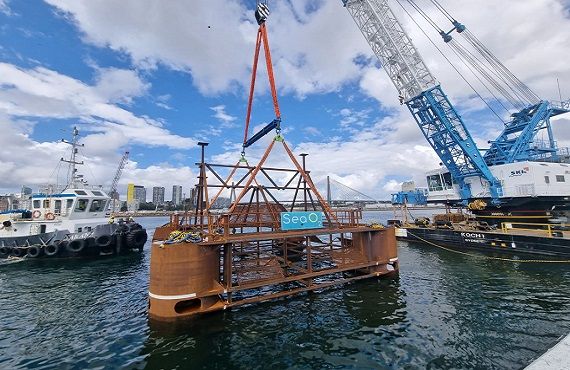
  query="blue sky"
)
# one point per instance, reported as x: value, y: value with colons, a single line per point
x: 155, y: 77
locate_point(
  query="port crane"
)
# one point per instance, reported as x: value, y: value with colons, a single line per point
x: 112, y: 192
x: 437, y: 118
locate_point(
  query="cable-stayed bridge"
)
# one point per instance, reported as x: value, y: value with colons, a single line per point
x: 339, y: 194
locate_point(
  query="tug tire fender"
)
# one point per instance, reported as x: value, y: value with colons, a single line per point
x: 52, y: 249
x: 103, y: 240
x: 18, y: 252
x: 136, y: 239
x: 34, y: 251
x: 76, y: 245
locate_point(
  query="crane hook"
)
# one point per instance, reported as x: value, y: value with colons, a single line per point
x: 261, y: 12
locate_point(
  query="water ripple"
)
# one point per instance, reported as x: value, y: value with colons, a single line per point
x: 443, y: 311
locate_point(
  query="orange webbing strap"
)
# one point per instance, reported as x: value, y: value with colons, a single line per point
x: 252, y: 86
x: 270, y: 70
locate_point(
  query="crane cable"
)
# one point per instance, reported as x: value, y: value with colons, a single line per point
x: 478, y: 78
x: 465, y: 55
x: 495, y: 65
x: 424, y: 15
x: 450, y: 63
x: 441, y: 32
x: 443, y: 10
x: 516, y: 100
x: 488, y: 54
x: 472, y: 60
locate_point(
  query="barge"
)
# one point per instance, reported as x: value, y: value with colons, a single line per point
x: 515, y: 238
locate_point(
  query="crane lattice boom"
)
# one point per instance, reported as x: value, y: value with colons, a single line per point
x: 392, y: 46
x: 115, y: 182
x: 440, y: 123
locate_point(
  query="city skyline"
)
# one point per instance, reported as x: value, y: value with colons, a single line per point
x: 139, y: 193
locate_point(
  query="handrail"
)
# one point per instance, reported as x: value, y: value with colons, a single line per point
x: 506, y: 226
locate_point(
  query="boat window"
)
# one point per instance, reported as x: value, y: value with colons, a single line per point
x: 98, y: 193
x: 46, y: 203
x: 69, y: 204
x: 560, y: 178
x: 37, y: 203
x: 81, y: 205
x: 97, y: 205
x: 80, y: 192
x: 447, y: 180
x: 547, y: 179
x: 57, y: 207
x: 434, y: 183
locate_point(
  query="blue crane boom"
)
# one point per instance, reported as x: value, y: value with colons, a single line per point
x: 438, y: 120
x: 518, y: 141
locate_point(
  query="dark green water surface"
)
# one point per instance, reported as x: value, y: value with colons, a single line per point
x: 443, y: 311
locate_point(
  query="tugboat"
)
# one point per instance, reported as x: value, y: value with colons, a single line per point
x: 70, y: 223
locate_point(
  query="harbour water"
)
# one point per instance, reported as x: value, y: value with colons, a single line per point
x: 443, y: 311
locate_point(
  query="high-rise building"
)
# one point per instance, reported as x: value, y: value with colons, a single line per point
x: 177, y: 195
x: 136, y: 194
x: 140, y: 193
x: 130, y: 193
x: 158, y: 195
x: 26, y: 190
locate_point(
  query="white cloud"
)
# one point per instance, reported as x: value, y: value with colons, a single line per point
x: 162, y: 101
x: 24, y: 161
x: 119, y: 85
x: 221, y: 115
x: 313, y: 131
x: 351, y: 118
x: 207, y: 39
x: 316, y: 47
x: 4, y: 7
x: 392, y: 186
x: 44, y: 93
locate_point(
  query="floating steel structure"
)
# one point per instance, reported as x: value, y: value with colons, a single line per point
x: 206, y: 260
x: 278, y: 237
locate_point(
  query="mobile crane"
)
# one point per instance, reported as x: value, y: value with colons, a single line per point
x: 441, y: 123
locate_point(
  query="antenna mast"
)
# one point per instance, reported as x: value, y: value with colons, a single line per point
x: 74, y: 179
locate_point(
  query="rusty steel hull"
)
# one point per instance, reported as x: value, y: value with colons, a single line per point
x: 187, y: 278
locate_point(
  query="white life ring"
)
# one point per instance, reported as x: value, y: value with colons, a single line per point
x: 37, y: 213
